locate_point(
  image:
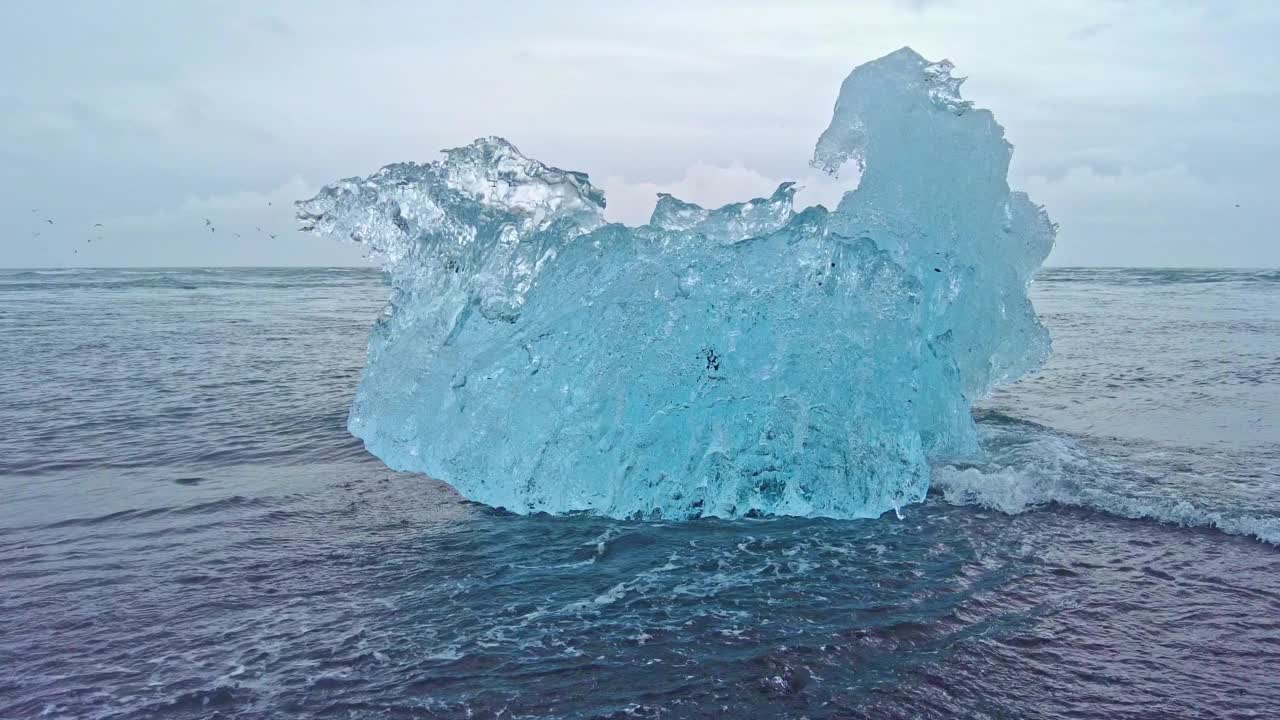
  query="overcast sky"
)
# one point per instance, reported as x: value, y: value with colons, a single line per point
x: 1148, y: 128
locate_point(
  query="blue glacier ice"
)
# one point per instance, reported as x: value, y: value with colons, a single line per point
x: 749, y: 359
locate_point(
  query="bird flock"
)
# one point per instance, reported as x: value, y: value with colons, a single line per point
x: 209, y: 224
x: 96, y: 230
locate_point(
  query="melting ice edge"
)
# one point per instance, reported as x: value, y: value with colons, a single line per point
x: 749, y: 359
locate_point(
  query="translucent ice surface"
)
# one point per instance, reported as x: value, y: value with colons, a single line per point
x: 746, y: 359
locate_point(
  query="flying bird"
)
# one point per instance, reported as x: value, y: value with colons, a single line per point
x: 236, y: 234
x: 48, y: 221
x: 273, y: 237
x: 207, y: 222
x: 97, y: 224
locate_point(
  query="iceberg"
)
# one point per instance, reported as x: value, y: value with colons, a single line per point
x: 746, y: 360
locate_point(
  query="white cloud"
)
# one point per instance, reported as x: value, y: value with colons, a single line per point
x: 711, y: 186
x: 1155, y: 217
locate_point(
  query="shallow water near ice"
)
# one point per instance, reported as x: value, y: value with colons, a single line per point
x: 187, y: 530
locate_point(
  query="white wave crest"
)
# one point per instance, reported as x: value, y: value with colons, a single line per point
x: 1026, y: 467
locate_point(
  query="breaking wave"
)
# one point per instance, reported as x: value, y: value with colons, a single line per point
x: 1025, y: 467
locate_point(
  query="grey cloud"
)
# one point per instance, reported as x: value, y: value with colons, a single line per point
x: 1134, y: 122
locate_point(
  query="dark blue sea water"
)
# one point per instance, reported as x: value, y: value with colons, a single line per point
x: 188, y: 531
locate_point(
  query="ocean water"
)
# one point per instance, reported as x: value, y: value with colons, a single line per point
x: 188, y: 531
